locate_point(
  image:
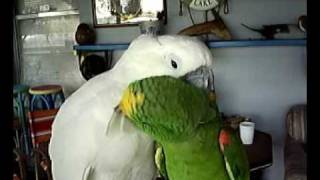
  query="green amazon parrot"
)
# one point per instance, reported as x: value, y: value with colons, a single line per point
x: 185, y: 121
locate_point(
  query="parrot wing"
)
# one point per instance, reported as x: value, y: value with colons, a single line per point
x: 236, y: 160
x: 160, y: 161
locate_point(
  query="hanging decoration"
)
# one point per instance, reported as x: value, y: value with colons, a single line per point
x: 216, y: 27
x: 201, y: 5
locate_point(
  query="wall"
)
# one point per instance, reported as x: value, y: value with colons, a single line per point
x: 258, y: 82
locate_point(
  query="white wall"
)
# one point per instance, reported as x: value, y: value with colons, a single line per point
x: 261, y: 82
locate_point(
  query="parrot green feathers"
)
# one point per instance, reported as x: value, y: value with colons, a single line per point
x: 186, y: 122
x: 162, y: 111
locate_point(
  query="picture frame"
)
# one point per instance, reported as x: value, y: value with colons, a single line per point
x: 120, y: 13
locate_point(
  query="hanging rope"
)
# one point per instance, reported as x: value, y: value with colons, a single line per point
x: 206, y: 16
x: 189, y: 11
x: 217, y: 8
x: 206, y: 20
x: 215, y: 13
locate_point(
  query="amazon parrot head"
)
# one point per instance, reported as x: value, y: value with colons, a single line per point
x: 167, y: 108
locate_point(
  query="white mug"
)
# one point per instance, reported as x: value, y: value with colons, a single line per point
x: 247, y: 132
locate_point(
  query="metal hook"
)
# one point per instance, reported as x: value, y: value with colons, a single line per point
x: 180, y: 6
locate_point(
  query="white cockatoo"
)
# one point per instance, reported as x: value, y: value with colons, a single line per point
x: 80, y: 147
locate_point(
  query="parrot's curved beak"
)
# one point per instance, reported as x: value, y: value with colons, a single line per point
x: 202, y: 77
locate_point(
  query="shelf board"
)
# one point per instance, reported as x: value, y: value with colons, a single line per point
x: 211, y: 44
x: 101, y: 47
x: 255, y: 43
x: 47, y: 14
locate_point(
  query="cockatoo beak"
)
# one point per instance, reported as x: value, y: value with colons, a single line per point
x: 202, y: 77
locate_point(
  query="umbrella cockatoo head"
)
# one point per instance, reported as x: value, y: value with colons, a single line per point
x: 172, y: 55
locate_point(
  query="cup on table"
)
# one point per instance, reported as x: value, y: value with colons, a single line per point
x: 247, y: 132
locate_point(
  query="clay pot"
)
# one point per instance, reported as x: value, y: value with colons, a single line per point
x: 85, y: 34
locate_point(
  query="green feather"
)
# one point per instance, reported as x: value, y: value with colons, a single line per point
x: 160, y: 161
x: 229, y: 170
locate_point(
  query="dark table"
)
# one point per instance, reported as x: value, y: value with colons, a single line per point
x: 259, y: 154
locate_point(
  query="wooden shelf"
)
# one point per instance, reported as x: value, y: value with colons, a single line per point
x: 211, y: 44
x: 101, y: 47
x: 255, y: 43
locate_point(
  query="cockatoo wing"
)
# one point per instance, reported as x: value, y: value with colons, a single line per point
x: 79, y: 147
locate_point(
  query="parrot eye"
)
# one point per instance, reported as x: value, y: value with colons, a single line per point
x: 174, y: 64
x: 173, y: 61
x: 135, y: 93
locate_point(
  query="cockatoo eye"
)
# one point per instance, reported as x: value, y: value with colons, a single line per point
x: 174, y: 64
x: 173, y: 61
